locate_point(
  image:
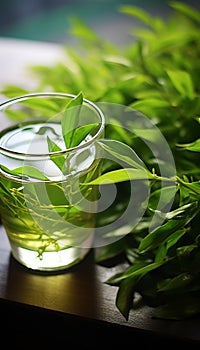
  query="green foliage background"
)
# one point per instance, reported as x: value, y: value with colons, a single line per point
x: 158, y: 75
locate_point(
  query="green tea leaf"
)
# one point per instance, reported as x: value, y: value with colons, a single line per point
x: 80, y: 133
x: 129, y: 272
x: 193, y: 146
x: 182, y: 82
x: 13, y: 91
x: 119, y: 150
x: 186, y: 10
x: 70, y: 119
x: 125, y: 293
x: 175, y: 222
x: 143, y: 16
x: 81, y: 30
x: 122, y: 175
x: 59, y: 160
x: 47, y: 106
x: 167, y: 195
x: 151, y: 103
x: 16, y: 115
x: 25, y: 171
x: 167, y: 244
x: 193, y: 188
x: 180, y: 281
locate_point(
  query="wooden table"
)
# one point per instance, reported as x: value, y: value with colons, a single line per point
x: 80, y: 305
x: 76, y: 306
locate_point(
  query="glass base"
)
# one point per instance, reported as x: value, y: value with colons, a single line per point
x: 50, y: 261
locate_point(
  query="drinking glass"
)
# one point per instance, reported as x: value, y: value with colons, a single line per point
x: 47, y: 162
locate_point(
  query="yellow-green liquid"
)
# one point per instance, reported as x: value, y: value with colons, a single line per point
x: 39, y: 217
x: 54, y: 215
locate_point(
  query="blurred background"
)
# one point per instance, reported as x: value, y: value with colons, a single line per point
x: 50, y: 20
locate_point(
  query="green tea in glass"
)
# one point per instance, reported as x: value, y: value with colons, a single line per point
x: 47, y: 161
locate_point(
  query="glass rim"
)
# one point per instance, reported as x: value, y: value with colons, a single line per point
x: 17, y: 99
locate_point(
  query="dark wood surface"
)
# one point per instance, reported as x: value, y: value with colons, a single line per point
x: 78, y: 301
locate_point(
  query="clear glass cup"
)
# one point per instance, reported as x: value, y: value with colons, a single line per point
x: 47, y: 161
